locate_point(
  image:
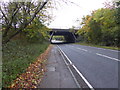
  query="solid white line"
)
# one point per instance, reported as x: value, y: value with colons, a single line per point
x: 65, y: 56
x: 89, y: 85
x: 70, y: 70
x: 107, y: 57
x: 83, y: 78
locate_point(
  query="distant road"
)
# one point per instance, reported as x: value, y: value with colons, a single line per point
x: 99, y: 66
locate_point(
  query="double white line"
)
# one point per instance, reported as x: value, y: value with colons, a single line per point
x: 80, y: 74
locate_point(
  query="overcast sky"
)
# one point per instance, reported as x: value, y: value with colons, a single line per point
x: 67, y: 14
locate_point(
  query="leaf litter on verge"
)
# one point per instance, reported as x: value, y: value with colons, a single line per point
x: 34, y: 73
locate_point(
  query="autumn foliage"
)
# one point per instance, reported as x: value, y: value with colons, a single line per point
x: 102, y: 27
x: 34, y: 73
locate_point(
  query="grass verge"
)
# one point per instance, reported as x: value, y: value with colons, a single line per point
x: 17, y: 56
x: 106, y: 47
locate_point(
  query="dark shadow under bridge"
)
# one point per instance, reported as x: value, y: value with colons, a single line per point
x: 68, y: 34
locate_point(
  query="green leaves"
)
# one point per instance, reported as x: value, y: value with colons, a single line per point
x: 36, y: 31
x: 17, y: 16
x: 100, y: 27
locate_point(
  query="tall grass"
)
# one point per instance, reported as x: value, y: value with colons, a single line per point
x: 17, y: 56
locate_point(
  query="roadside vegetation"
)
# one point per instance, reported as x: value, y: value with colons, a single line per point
x: 17, y: 56
x: 102, y: 27
x: 24, y: 37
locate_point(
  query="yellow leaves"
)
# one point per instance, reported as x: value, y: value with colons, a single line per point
x: 13, y: 85
x: 33, y: 87
x: 21, y: 78
x: 28, y: 79
x: 34, y: 73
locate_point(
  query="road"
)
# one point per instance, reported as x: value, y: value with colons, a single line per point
x: 99, y: 66
x: 57, y: 74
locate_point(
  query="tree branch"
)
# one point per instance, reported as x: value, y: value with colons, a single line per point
x: 6, y: 19
x: 9, y: 24
x: 37, y: 11
x: 25, y: 24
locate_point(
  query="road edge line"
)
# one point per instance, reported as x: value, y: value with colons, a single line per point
x: 85, y: 80
x: 70, y: 70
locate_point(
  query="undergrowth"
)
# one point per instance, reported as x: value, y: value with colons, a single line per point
x: 17, y: 56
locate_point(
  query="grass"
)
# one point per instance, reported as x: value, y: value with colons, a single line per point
x: 106, y: 47
x: 17, y: 56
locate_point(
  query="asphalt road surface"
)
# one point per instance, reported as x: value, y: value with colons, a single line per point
x: 57, y: 74
x: 99, y: 66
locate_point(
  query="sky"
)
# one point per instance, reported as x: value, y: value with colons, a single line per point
x: 66, y: 15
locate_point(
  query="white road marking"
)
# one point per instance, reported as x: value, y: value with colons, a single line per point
x: 70, y: 70
x: 101, y: 54
x: 83, y: 77
x: 89, y: 85
x: 108, y: 49
x: 82, y: 49
x: 102, y: 48
x: 115, y: 50
x: 107, y: 57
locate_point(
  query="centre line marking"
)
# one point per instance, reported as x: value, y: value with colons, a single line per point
x: 82, y: 49
x: 107, y: 57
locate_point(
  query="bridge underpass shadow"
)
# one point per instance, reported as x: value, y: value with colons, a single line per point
x: 62, y: 37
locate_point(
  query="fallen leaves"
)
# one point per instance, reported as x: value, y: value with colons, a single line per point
x: 34, y: 73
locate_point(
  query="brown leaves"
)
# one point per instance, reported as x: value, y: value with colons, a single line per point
x: 34, y: 73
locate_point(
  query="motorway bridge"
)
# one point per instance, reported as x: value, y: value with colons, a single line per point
x: 69, y: 35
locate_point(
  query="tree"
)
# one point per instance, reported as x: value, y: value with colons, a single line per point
x: 117, y: 20
x: 101, y: 27
x: 106, y: 19
x: 36, y: 31
x: 94, y: 33
x: 18, y: 15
